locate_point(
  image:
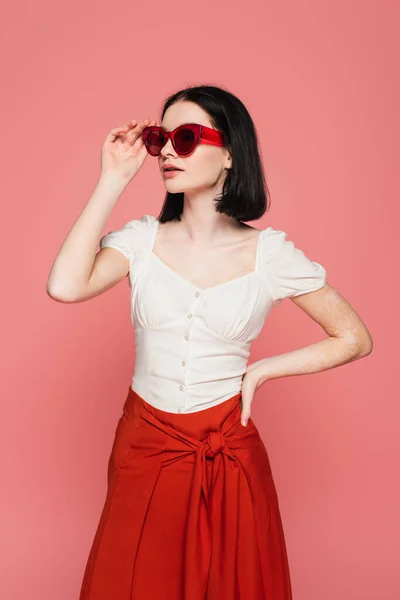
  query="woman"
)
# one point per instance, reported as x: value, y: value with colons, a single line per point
x: 191, y: 511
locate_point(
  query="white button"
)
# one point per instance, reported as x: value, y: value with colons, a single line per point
x: 181, y: 387
x: 179, y: 410
x: 197, y: 294
x: 186, y: 337
x: 183, y: 363
x: 190, y: 316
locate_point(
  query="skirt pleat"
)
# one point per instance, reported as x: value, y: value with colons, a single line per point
x: 191, y: 511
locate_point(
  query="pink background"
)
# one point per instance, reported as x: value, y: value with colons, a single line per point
x: 319, y: 79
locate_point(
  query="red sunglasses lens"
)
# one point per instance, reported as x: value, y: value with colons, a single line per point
x: 155, y: 140
x: 184, y: 141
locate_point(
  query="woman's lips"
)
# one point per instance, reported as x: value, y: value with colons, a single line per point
x: 172, y: 173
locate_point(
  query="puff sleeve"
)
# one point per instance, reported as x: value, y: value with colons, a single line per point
x: 288, y: 270
x: 132, y: 239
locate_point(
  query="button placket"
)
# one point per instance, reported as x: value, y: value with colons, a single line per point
x: 190, y: 315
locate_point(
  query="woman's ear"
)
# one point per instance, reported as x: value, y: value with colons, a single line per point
x: 228, y: 161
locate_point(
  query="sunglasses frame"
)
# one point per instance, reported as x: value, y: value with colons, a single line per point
x: 201, y: 133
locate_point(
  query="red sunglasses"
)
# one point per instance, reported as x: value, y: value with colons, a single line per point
x: 184, y: 138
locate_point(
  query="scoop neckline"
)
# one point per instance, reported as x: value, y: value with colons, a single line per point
x: 255, y: 271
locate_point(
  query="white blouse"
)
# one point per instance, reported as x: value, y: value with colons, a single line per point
x: 192, y: 344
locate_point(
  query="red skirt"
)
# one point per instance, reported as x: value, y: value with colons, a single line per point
x: 191, y: 511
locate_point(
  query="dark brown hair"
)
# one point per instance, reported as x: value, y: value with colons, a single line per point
x: 245, y: 195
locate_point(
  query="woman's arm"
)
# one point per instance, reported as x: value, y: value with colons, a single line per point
x: 74, y: 262
x: 78, y: 273
x: 349, y: 339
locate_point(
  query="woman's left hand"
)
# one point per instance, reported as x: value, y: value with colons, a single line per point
x: 250, y: 383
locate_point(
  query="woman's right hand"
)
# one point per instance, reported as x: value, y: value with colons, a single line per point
x: 123, y: 151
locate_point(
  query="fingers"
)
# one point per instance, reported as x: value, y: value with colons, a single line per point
x: 250, y: 383
x: 135, y: 133
x: 246, y: 411
x: 245, y: 416
x: 119, y: 131
x: 130, y: 130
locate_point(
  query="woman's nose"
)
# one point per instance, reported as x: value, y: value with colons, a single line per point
x: 168, y: 149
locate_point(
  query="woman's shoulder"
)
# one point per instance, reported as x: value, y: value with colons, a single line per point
x: 289, y: 270
x: 134, y: 236
x: 278, y: 243
x: 144, y: 223
x: 272, y: 241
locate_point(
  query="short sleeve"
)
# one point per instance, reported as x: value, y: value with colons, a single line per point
x: 288, y: 270
x: 132, y: 239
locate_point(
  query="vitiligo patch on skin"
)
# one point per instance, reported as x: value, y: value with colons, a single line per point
x: 348, y: 336
x: 348, y: 339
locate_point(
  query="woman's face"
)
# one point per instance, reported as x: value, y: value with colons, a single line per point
x: 205, y: 167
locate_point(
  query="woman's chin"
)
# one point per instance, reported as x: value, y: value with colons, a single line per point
x: 175, y: 188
